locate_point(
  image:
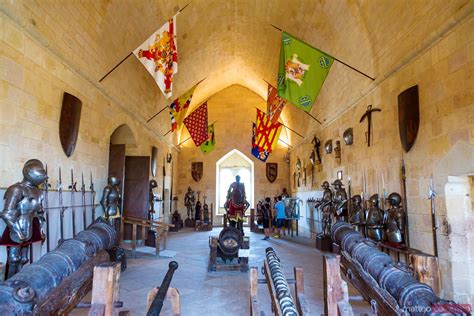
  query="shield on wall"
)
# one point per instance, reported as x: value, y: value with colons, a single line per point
x: 408, y: 116
x: 272, y: 171
x: 154, y: 156
x: 197, y: 170
x: 69, y: 123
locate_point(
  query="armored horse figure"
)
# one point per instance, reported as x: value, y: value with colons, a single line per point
x: 236, y: 204
x: 23, y: 214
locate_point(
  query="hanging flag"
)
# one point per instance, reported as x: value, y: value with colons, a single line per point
x: 267, y: 134
x: 196, y: 123
x: 159, y: 55
x: 302, y: 71
x: 179, y: 107
x: 275, y: 104
x: 258, y: 152
x: 208, y: 145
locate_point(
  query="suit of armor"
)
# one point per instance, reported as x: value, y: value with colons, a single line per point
x: 357, y: 213
x: 23, y: 214
x: 111, y: 200
x: 374, y: 226
x: 236, y: 203
x: 189, y: 201
x: 326, y: 208
x: 395, y: 219
x: 340, y: 200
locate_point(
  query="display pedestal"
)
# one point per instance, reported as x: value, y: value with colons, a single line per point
x: 324, y: 243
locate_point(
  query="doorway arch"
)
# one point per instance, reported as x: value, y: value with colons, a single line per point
x: 227, y: 167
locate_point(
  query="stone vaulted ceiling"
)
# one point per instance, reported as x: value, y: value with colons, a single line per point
x: 232, y: 42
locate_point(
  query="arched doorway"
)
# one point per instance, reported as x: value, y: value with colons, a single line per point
x: 231, y: 164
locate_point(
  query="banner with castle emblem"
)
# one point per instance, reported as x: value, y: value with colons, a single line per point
x: 209, y: 144
x: 302, y: 71
x: 159, y: 55
x: 196, y: 123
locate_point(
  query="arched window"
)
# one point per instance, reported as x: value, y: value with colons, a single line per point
x: 227, y: 168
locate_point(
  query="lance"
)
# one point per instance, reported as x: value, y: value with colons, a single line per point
x: 431, y: 197
x: 73, y: 207
x: 404, y: 184
x: 163, y: 189
x: 349, y: 201
x: 84, y: 212
x: 61, y: 205
x: 46, y: 208
x: 92, y: 198
x: 171, y: 189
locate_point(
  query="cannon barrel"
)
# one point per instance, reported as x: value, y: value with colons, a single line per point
x: 395, y: 278
x: 230, y: 240
x: 20, y: 293
x: 282, y: 289
x: 157, y: 304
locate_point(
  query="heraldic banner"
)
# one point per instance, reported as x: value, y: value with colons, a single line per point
x: 266, y: 134
x: 196, y: 123
x: 159, y: 55
x: 258, y: 152
x: 275, y: 104
x: 179, y: 108
x: 209, y: 144
x: 302, y: 71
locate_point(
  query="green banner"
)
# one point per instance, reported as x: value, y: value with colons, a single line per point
x: 209, y: 144
x: 302, y: 72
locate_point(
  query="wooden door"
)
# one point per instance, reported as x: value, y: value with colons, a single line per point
x: 136, y: 186
x: 117, y: 164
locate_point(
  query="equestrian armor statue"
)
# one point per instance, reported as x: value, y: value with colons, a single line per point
x: 111, y: 200
x: 395, y: 219
x: 236, y: 204
x: 325, y: 206
x: 357, y: 213
x: 189, y: 201
x: 23, y: 215
x: 340, y: 200
x: 374, y: 226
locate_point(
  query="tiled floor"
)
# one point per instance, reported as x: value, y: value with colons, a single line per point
x: 222, y: 293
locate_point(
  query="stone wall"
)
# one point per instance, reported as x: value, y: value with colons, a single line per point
x: 233, y: 111
x: 34, y: 79
x: 443, y: 73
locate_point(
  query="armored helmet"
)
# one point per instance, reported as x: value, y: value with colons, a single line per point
x: 33, y: 172
x: 374, y: 199
x: 325, y: 185
x: 114, y: 180
x: 394, y: 199
x: 348, y: 136
x: 356, y: 199
x: 328, y: 146
x: 337, y: 182
x: 153, y: 183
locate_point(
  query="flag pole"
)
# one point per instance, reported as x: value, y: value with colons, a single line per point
x: 167, y: 133
x: 298, y: 108
x: 115, y: 67
x: 166, y: 106
x: 345, y: 64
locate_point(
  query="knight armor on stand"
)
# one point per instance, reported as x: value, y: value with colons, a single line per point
x: 111, y: 200
x: 205, y: 212
x: 357, y: 213
x: 374, y: 226
x: 340, y: 200
x: 395, y: 219
x: 236, y: 204
x: 23, y: 215
x: 326, y: 207
x: 152, y: 198
x: 189, y: 201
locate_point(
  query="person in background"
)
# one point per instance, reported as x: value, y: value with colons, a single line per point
x: 280, y: 215
x: 267, y: 217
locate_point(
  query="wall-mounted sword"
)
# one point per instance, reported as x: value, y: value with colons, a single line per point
x: 84, y: 212
x: 368, y: 115
x: 62, y: 208
x: 92, y: 198
x: 405, y: 206
x: 431, y: 196
x: 73, y: 207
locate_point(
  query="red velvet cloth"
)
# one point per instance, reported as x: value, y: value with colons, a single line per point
x: 37, y: 236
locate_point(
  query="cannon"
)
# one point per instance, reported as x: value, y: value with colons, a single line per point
x: 29, y: 287
x: 226, y: 251
x: 389, y: 286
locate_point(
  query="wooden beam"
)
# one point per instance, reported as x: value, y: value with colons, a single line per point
x: 427, y: 270
x: 254, y: 304
x: 105, y: 286
x: 335, y: 289
x: 301, y: 304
